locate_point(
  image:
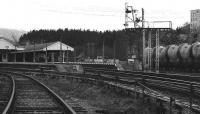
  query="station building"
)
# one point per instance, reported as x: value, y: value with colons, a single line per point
x: 47, y: 52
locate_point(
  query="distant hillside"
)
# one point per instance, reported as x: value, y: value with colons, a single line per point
x: 11, y: 34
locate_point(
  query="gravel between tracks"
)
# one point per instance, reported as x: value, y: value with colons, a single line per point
x: 94, y: 98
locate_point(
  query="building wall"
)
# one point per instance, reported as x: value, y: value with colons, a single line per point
x: 195, y: 21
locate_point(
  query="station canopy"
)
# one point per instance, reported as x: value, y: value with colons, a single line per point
x: 52, y: 46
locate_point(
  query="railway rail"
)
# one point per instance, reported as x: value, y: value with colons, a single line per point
x: 31, y: 96
x: 183, y: 85
x: 7, y: 87
x: 188, y: 85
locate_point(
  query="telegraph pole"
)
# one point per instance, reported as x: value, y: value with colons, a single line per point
x: 142, y: 17
x: 46, y: 59
x: 150, y: 50
x: 143, y: 40
x: 103, y: 51
x: 114, y: 53
x: 34, y: 52
x: 88, y: 49
x: 93, y: 46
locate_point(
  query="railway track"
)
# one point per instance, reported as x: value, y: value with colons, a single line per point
x: 186, y: 86
x: 182, y: 83
x: 32, y: 97
x: 7, y: 87
x: 145, y: 80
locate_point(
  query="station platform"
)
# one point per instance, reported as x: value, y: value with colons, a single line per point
x: 70, y: 67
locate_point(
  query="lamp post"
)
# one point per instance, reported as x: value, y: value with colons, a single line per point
x: 103, y: 49
x: 114, y: 48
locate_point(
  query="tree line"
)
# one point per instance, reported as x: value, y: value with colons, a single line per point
x: 119, y: 44
x: 87, y: 43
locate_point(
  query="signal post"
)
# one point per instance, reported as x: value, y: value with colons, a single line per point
x: 149, y: 30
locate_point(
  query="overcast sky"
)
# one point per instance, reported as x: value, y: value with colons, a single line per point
x: 88, y: 14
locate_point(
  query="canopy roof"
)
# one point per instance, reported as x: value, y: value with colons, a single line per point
x: 52, y: 46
